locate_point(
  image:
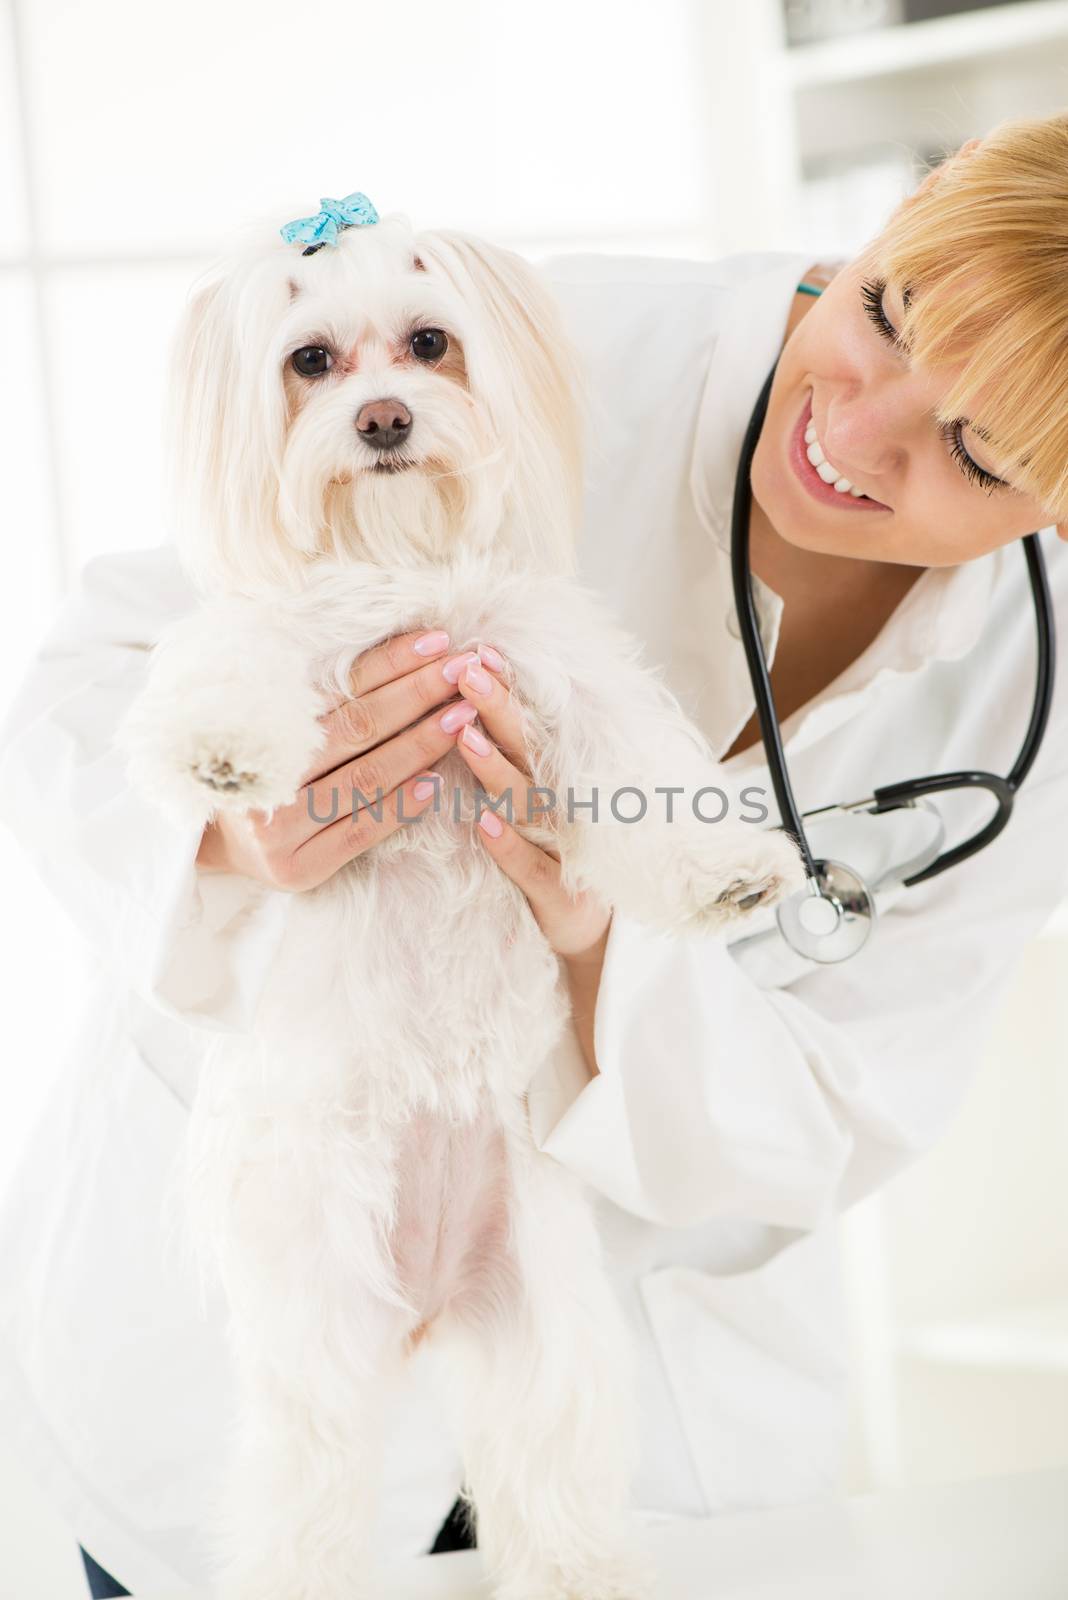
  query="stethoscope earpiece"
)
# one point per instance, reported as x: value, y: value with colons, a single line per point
x: 831, y: 918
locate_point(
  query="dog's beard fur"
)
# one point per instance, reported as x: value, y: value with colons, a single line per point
x: 424, y: 510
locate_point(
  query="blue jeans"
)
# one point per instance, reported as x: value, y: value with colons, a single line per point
x: 102, y: 1586
x: 454, y: 1534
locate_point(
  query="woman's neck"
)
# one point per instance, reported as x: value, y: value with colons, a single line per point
x: 799, y: 575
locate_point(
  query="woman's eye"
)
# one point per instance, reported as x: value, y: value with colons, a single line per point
x: 429, y: 344
x: 952, y: 433
x: 312, y: 361
x: 871, y: 295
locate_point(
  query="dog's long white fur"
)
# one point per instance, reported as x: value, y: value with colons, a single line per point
x: 361, y: 1163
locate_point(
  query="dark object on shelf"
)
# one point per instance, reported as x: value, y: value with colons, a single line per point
x: 810, y: 21
x: 924, y: 10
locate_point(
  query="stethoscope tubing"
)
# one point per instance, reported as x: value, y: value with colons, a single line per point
x: 749, y: 628
x: 889, y: 796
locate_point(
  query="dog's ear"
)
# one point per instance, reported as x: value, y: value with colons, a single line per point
x: 524, y: 369
x: 225, y: 428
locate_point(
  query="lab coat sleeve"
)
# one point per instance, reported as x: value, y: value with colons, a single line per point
x: 194, y: 944
x: 718, y: 1099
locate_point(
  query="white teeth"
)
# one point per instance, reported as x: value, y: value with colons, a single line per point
x: 829, y: 474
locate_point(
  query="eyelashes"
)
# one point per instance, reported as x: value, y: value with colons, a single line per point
x: 951, y: 432
x: 871, y: 294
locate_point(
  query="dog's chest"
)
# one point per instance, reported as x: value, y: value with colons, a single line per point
x: 453, y: 1192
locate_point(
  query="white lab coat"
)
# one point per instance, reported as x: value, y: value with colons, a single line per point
x: 740, y: 1104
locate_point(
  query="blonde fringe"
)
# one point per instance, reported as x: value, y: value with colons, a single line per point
x: 983, y: 253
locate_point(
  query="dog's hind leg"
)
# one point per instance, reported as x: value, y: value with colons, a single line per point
x: 537, y: 1369
x: 297, y: 1520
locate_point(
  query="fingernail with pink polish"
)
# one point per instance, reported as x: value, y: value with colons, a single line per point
x: 490, y: 823
x: 491, y: 657
x: 476, y: 679
x: 456, y: 716
x: 424, y: 788
x: 477, y: 741
x: 455, y: 665
x: 431, y: 644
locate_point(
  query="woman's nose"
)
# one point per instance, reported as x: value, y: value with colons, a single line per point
x: 865, y: 433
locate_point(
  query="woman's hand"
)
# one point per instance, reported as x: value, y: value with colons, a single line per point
x: 575, y: 926
x: 381, y: 741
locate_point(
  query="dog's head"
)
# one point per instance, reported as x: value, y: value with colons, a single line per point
x: 393, y: 397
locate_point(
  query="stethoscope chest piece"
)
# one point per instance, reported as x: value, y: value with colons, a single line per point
x: 830, y: 919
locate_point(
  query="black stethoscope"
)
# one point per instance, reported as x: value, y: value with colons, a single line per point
x: 830, y: 919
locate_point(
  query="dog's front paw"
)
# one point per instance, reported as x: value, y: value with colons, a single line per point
x: 218, y: 773
x: 763, y: 876
x: 209, y: 751
x: 713, y: 880
x: 243, y: 770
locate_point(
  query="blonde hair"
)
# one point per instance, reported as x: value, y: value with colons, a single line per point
x: 981, y: 251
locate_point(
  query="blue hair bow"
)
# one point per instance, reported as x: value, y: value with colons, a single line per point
x: 355, y: 211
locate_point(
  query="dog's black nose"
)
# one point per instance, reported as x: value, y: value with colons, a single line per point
x: 383, y: 423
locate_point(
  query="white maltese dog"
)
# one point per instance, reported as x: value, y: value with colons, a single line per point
x: 379, y: 433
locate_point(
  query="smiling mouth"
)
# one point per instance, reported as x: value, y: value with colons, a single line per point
x: 803, y: 447
x: 827, y: 471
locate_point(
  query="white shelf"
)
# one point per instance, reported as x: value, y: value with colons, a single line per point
x: 1025, y: 1339
x: 912, y: 46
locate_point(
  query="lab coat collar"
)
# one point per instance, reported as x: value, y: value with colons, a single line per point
x: 944, y: 612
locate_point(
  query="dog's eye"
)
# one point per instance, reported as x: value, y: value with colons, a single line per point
x: 429, y: 344
x: 312, y: 361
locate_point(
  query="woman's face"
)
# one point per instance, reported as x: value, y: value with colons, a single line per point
x: 846, y: 394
